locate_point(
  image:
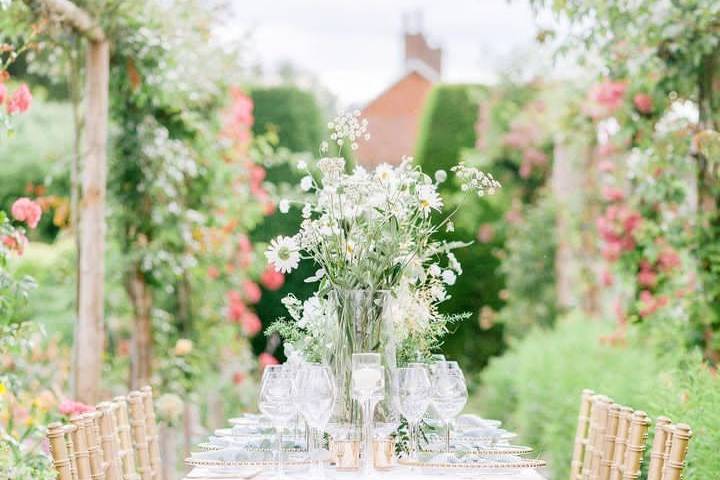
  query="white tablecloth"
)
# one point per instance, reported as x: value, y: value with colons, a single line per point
x: 396, y: 474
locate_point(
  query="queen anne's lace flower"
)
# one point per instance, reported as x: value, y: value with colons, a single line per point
x: 473, y: 179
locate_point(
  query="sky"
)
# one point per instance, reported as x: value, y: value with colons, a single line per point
x: 354, y: 48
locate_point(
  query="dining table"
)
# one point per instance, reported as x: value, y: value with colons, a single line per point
x: 397, y: 473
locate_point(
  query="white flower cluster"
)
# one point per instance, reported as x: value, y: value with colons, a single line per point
x: 472, y: 179
x: 348, y: 127
x: 374, y: 231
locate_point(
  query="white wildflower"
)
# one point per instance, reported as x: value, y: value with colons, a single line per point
x: 302, y: 165
x: 449, y: 277
x: 307, y: 211
x: 284, y: 254
x: 320, y: 273
x: 384, y: 173
x: 454, y: 263
x: 306, y: 183
x: 440, y: 176
x: 435, y: 270
x: 428, y: 198
x: 450, y: 227
x: 284, y: 205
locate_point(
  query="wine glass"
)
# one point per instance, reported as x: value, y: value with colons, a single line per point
x: 368, y: 387
x: 276, y: 402
x: 315, y: 395
x: 414, y: 389
x: 449, y: 394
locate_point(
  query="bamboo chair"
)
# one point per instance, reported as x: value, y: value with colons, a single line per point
x: 152, y: 432
x: 669, y: 449
x: 610, y: 440
x: 139, y: 435
x: 111, y: 443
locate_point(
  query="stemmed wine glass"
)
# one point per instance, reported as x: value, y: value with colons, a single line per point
x: 368, y: 387
x: 449, y: 394
x: 276, y: 402
x: 315, y: 395
x: 414, y: 389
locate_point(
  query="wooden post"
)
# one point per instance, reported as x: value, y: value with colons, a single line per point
x: 142, y: 337
x: 89, y: 331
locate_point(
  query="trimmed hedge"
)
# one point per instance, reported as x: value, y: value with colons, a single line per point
x: 447, y: 127
x: 296, y: 117
x: 447, y: 130
x: 535, y: 387
x: 293, y: 113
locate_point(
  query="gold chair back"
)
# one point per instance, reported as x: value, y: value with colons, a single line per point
x: 111, y: 443
x: 581, y: 435
x: 669, y: 449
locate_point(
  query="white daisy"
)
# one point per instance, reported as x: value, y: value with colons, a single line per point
x: 284, y: 254
x: 284, y: 205
x: 428, y: 198
x: 384, y: 173
x: 449, y: 277
x: 306, y: 183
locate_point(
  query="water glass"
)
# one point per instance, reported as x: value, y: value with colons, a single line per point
x: 276, y: 402
x: 315, y: 394
x: 449, y: 394
x: 414, y: 393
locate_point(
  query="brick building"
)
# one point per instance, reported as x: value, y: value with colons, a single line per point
x: 394, y: 116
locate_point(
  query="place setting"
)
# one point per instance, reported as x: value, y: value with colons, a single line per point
x: 407, y: 422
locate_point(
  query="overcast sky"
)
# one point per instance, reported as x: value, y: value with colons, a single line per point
x: 355, y: 47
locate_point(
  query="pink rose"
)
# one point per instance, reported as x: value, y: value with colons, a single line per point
x: 486, y: 233
x: 20, y: 101
x: 271, y: 279
x: 643, y: 103
x: 25, y: 210
x: 646, y: 277
x: 605, y: 150
x: 252, y: 291
x: 213, y: 272
x: 613, y: 194
x: 669, y: 259
x: 535, y: 156
x: 251, y: 324
x: 71, y: 407
x: 15, y: 242
x: 236, y: 308
x: 607, y: 278
x: 606, y: 166
x: 609, y: 94
x: 265, y: 359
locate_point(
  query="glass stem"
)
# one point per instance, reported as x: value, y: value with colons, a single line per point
x: 447, y: 437
x: 413, y: 441
x: 317, y: 437
x: 367, y: 433
x: 280, y: 466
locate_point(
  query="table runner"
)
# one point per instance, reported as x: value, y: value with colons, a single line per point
x: 397, y: 474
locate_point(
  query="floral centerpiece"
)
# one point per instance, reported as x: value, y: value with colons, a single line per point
x: 381, y: 275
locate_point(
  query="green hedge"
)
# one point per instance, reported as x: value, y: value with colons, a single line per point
x: 447, y: 130
x: 293, y: 113
x: 447, y: 127
x: 535, y: 387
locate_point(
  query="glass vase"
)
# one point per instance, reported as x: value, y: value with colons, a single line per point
x: 360, y: 329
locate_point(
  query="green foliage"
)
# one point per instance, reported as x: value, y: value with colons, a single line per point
x: 535, y: 387
x: 292, y: 113
x: 447, y: 130
x: 447, y: 127
x: 38, y: 154
x: 529, y: 268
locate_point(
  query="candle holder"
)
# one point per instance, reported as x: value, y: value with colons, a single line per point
x: 346, y: 454
x: 383, y: 453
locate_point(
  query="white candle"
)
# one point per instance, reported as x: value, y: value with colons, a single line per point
x: 365, y: 379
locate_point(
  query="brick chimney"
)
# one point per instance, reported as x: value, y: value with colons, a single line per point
x: 418, y: 54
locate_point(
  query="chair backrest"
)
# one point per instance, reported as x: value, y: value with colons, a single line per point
x: 669, y: 449
x: 111, y: 443
x: 581, y: 435
x: 609, y: 441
